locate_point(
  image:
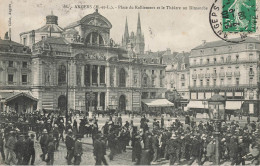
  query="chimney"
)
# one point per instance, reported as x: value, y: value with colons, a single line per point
x: 6, y: 36
x: 204, y: 42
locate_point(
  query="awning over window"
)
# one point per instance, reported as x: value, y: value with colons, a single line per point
x: 233, y: 105
x: 198, y: 104
x: 157, y: 103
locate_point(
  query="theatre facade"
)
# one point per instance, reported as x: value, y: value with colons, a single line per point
x: 83, y: 62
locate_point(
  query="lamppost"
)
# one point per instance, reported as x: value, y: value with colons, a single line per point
x: 217, y: 108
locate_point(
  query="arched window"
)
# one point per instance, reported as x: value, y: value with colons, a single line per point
x: 95, y: 39
x: 122, y: 78
x: 62, y: 74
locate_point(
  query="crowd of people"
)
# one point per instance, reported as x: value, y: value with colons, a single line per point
x: 151, y: 142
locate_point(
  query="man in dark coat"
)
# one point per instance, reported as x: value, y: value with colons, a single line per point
x: 69, y: 141
x: 112, y: 144
x: 172, y: 147
x: 31, y: 149
x: 50, y: 151
x: 44, y: 144
x: 56, y: 136
x: 20, y: 149
x: 78, y: 151
x: 196, y: 150
x: 2, y: 146
x: 99, y: 151
x: 137, y: 147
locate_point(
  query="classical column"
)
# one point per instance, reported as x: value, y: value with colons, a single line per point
x: 98, y: 99
x: 98, y: 39
x: 82, y: 75
x: 90, y: 82
x: 91, y: 38
x: 115, y: 77
x: 107, y: 75
x: 98, y: 75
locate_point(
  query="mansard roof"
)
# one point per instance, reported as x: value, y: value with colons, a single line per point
x: 220, y: 43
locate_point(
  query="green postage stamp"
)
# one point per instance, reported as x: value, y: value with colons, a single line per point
x: 239, y: 16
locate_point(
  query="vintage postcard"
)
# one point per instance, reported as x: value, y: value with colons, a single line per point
x: 129, y: 82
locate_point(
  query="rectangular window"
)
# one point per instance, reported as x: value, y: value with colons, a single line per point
x: 152, y: 71
x: 94, y: 74
x: 11, y: 64
x: 201, y: 82
x: 207, y: 82
x: 194, y: 62
x: 229, y: 81
x: 182, y: 76
x: 207, y: 61
x: 161, y: 72
x: 24, y: 41
x: 183, y: 84
x: 222, y: 59
x: 251, y: 81
x: 215, y: 60
x: 161, y: 82
x: 24, y: 64
x: 194, y: 82
x: 24, y: 79
x: 10, y: 78
x: 214, y: 82
x: 237, y: 81
x: 102, y: 74
x: 237, y: 58
x: 222, y: 82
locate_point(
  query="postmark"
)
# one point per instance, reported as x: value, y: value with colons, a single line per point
x: 233, y: 20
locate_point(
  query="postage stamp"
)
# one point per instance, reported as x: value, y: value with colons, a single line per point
x: 233, y: 20
x: 239, y: 15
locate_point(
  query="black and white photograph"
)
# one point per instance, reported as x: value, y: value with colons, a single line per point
x: 129, y: 82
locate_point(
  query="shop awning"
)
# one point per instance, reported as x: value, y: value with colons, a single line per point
x: 198, y: 104
x: 157, y: 103
x: 233, y: 105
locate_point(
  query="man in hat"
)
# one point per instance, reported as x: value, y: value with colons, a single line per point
x: 10, y: 144
x: 137, y: 148
x: 2, y: 145
x: 50, y: 151
x: 20, y: 149
x: 69, y: 142
x: 99, y: 151
x: 44, y: 144
x: 31, y: 149
x: 56, y: 136
x: 172, y: 147
x: 196, y: 150
x: 78, y: 151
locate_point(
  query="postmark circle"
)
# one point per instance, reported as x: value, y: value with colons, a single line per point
x: 228, y: 23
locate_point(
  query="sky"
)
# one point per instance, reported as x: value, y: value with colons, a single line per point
x: 179, y: 30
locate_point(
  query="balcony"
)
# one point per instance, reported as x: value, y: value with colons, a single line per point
x: 207, y: 75
x: 229, y: 74
x: 194, y: 76
x: 237, y: 73
x: 214, y: 75
x: 223, y: 87
x: 251, y: 73
x: 221, y: 74
x: 200, y: 75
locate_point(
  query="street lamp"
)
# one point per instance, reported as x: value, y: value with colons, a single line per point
x: 217, y: 110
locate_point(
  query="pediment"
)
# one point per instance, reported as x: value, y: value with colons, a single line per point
x: 96, y: 19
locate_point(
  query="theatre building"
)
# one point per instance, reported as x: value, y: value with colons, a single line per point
x: 232, y: 68
x: 82, y: 61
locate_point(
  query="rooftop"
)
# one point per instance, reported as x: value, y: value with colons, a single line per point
x: 220, y: 43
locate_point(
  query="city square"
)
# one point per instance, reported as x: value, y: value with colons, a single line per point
x: 71, y: 94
